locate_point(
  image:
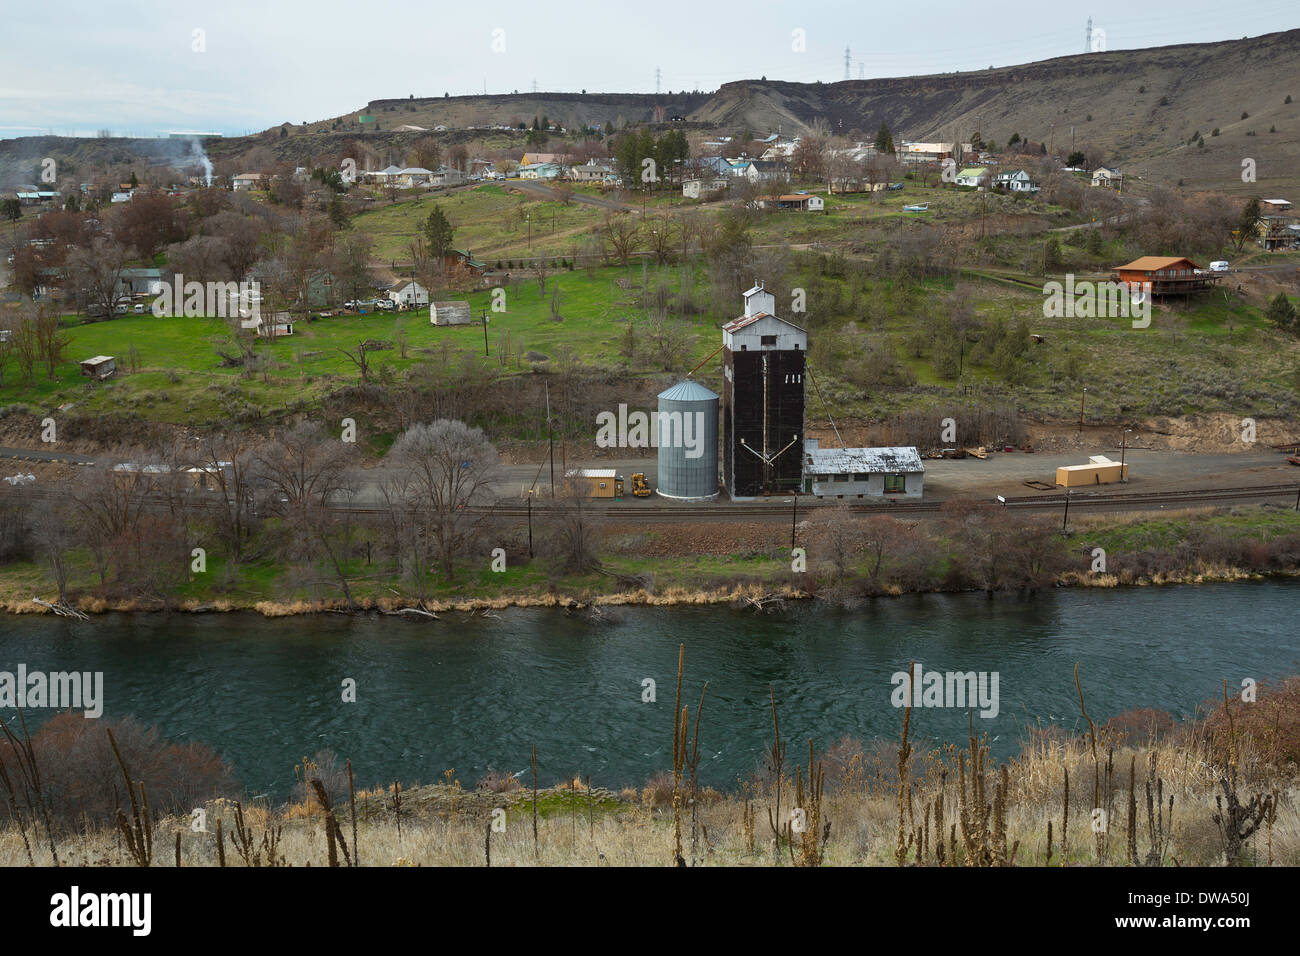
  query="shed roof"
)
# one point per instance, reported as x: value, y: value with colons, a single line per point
x: 843, y: 461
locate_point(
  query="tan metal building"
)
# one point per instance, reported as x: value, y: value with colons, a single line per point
x: 1100, y: 470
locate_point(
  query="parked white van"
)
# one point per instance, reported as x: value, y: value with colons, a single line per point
x: 1219, y: 266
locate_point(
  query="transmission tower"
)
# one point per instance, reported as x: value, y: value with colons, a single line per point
x: 1087, y: 38
x: 658, y: 77
x: 846, y: 63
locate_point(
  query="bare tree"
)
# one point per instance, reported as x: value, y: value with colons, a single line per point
x: 360, y: 361
x: 574, y: 539
x: 663, y: 240
x: 308, y: 472
x: 201, y: 258
x: 51, y: 339
x: 96, y: 272
x: 445, y: 469
x: 242, y: 236
x: 622, y: 233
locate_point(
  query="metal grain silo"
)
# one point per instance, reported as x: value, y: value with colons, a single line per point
x: 687, y: 432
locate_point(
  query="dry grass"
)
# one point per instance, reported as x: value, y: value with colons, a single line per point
x: 1022, y: 800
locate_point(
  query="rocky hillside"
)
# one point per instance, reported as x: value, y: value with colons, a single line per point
x: 1139, y: 108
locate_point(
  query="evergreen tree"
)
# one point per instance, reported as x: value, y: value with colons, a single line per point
x: 1282, y: 313
x: 438, y: 233
x: 884, y: 140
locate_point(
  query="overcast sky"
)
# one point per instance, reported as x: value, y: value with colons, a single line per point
x: 141, y: 68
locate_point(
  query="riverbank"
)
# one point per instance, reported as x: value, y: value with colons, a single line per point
x: 838, y: 557
x: 875, y: 806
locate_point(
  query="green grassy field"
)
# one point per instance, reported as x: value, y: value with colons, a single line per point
x: 178, y: 375
x: 1216, y: 354
x: 490, y: 221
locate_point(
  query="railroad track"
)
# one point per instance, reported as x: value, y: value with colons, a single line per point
x: 777, y: 509
x: 774, y: 509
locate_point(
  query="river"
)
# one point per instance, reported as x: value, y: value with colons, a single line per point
x: 473, y: 693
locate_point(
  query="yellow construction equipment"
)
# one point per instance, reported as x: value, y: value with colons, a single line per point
x: 640, y: 487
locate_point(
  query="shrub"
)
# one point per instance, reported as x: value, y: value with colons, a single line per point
x: 81, y: 778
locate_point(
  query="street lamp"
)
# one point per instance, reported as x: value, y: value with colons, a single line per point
x: 794, y: 517
x: 1123, y: 446
x: 1082, y: 400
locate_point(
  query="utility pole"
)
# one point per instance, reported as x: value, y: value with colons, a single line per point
x: 530, y: 522
x: 485, y: 341
x: 550, y: 437
x: 1082, y: 399
x: 1065, y: 522
x: 1123, y: 447
x: 794, y: 516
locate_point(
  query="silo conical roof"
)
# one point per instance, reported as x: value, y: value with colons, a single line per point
x: 688, y: 390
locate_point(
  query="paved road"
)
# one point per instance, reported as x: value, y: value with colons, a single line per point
x: 545, y: 192
x: 55, y: 457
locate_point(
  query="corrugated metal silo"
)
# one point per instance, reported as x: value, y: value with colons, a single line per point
x: 687, y: 430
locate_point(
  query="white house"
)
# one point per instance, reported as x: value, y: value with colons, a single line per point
x: 1107, y: 176
x: 446, y: 176
x: 593, y: 172
x: 409, y: 293
x: 413, y: 176
x: 973, y: 176
x: 381, y: 176
x: 703, y: 188
x: 248, y: 181
x: 862, y: 472
x: 1015, y: 180
x: 765, y: 171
